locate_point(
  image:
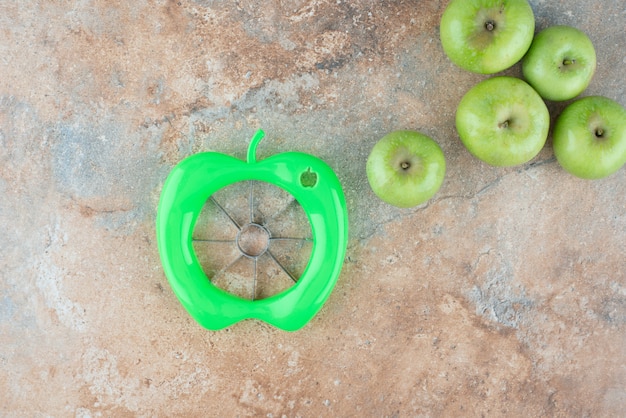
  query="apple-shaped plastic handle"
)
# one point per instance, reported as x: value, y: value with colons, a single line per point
x: 312, y: 183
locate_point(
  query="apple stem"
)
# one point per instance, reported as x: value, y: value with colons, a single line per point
x: 490, y: 25
x: 504, y: 124
x: 568, y: 61
x: 258, y: 136
x: 599, y: 133
x: 405, y: 165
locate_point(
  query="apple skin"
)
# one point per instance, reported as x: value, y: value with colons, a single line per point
x: 405, y: 168
x: 589, y: 137
x: 503, y: 121
x: 470, y: 45
x: 560, y: 63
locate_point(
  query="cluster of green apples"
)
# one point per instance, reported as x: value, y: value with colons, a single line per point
x: 503, y: 120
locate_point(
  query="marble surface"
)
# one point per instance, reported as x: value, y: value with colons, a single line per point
x: 505, y: 295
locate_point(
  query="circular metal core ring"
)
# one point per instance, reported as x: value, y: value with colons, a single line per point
x: 253, y: 240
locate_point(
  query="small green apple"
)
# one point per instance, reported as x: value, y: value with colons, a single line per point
x: 405, y: 168
x: 503, y: 121
x: 560, y: 63
x: 486, y: 36
x: 589, y: 137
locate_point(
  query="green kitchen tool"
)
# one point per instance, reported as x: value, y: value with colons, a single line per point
x: 308, y: 179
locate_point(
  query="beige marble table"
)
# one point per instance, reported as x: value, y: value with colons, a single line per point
x: 505, y: 295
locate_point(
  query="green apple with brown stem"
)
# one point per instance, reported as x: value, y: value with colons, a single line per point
x: 560, y: 63
x: 589, y: 137
x: 503, y: 121
x: 405, y: 168
x: 486, y: 36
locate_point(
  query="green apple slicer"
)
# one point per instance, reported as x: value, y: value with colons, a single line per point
x: 252, y: 239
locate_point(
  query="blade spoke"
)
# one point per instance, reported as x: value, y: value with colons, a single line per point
x: 225, y: 212
x: 291, y: 239
x: 251, y: 201
x: 255, y: 279
x: 282, y: 267
x: 283, y: 210
x: 214, y: 241
x: 225, y: 269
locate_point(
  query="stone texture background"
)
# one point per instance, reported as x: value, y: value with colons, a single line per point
x: 503, y: 296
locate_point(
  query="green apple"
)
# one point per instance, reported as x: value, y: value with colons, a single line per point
x: 503, y: 121
x: 405, y: 168
x: 560, y: 63
x: 486, y: 36
x: 589, y: 137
